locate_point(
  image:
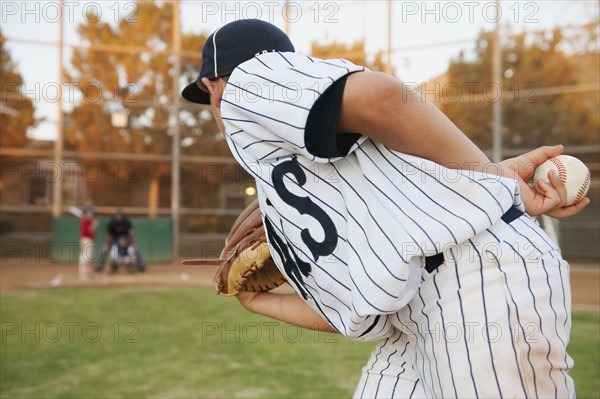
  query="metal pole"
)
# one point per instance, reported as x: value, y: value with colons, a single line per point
x: 497, y: 105
x: 175, y: 171
x: 58, y: 143
x: 286, y: 17
x: 388, y: 62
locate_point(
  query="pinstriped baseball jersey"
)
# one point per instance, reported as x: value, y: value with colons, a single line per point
x: 350, y: 232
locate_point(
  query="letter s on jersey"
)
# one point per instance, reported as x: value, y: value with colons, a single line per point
x: 305, y: 205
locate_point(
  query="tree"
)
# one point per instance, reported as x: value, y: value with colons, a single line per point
x: 141, y: 85
x: 532, y: 62
x: 354, y: 52
x: 16, y: 110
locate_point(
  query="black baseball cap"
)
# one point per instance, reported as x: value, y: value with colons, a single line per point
x: 231, y: 45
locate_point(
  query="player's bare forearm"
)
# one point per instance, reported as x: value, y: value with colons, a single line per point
x: 289, y: 308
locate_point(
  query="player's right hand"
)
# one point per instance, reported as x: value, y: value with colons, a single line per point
x: 549, y: 199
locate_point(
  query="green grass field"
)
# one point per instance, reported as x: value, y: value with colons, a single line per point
x: 112, y: 343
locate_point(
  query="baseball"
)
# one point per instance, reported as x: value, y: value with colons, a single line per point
x: 571, y: 171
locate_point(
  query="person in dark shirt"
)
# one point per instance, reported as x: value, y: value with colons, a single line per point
x: 119, y: 226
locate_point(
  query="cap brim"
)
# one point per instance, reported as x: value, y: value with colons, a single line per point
x: 193, y: 94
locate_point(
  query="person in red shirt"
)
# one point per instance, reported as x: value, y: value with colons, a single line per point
x: 86, y: 242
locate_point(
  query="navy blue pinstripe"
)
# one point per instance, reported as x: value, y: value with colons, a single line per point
x: 277, y: 83
x: 372, y: 364
x: 429, y: 198
x: 286, y: 60
x: 487, y: 331
x: 423, y: 351
x: 535, y: 232
x: 268, y: 98
x: 518, y: 317
x: 562, y: 286
x: 266, y: 66
x: 512, y: 339
x: 239, y: 120
x: 555, y: 318
x: 408, y: 199
x: 435, y: 361
x: 268, y: 117
x: 376, y: 223
x: 260, y: 142
x: 444, y: 332
x: 462, y: 315
x: 413, y: 390
x: 535, y: 307
x: 270, y: 153
x: 444, y: 185
x: 386, y: 367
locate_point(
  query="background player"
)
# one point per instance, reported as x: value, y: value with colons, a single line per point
x: 87, y: 236
x: 119, y: 226
x: 381, y: 244
x: 123, y: 254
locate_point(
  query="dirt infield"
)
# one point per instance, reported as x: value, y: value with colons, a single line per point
x: 16, y: 275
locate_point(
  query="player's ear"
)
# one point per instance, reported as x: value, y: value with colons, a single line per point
x: 214, y: 88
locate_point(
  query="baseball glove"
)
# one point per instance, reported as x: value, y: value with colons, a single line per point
x: 245, y: 263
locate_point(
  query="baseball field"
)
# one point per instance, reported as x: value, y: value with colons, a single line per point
x: 166, y: 334
x: 365, y: 131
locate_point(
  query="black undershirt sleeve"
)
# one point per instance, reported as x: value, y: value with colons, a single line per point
x: 320, y: 134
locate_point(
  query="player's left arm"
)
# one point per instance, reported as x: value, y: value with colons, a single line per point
x: 385, y: 109
x: 289, y: 308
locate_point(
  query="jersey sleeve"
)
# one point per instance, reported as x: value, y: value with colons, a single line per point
x: 321, y: 134
x: 267, y: 106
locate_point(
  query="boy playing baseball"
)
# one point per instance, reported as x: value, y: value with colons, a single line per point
x: 391, y: 225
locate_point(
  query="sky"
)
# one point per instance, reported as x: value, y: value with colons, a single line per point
x: 425, y: 34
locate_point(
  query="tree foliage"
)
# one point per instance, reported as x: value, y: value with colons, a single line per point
x: 140, y: 84
x: 354, y: 52
x: 532, y: 63
x: 16, y: 110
